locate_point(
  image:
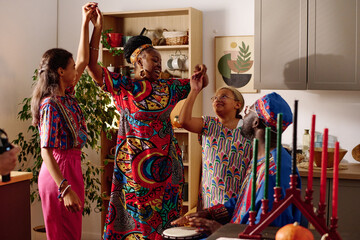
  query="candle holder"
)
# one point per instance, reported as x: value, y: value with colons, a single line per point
x: 292, y: 196
x: 277, y: 194
x: 308, y: 196
x: 264, y: 206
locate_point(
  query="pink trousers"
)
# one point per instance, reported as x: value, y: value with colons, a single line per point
x: 59, y: 222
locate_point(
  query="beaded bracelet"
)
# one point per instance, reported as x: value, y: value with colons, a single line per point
x: 62, y: 184
x: 96, y: 49
x: 63, y: 193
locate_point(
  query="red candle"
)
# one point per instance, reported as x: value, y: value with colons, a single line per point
x: 335, y: 181
x: 311, y: 151
x: 323, y: 167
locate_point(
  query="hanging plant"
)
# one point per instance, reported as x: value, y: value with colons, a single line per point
x: 99, y: 113
x: 104, y: 41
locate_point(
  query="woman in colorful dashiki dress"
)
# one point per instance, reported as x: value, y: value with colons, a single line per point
x: 225, y: 152
x: 62, y: 131
x: 148, y: 179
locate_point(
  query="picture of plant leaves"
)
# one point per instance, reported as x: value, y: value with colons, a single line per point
x: 243, y: 61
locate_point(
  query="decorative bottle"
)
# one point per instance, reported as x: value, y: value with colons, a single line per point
x: 306, y: 142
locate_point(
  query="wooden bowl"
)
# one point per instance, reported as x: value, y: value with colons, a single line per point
x: 330, y: 162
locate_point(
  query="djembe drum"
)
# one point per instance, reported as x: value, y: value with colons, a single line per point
x: 181, y: 233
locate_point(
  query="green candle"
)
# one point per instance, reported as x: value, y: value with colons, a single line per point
x: 253, y: 189
x: 267, y: 160
x: 278, y: 148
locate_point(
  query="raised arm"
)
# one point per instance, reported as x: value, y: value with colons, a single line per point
x: 94, y: 68
x: 197, y: 82
x: 82, y: 59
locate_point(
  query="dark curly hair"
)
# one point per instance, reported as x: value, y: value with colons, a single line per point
x: 133, y: 43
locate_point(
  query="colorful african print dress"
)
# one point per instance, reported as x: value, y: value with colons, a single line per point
x: 62, y: 127
x: 226, y: 155
x: 146, y: 193
x: 238, y: 208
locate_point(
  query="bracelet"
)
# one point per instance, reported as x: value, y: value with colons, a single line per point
x: 62, y: 184
x: 96, y: 49
x: 63, y: 193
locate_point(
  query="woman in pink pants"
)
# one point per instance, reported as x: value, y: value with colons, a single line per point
x: 62, y: 130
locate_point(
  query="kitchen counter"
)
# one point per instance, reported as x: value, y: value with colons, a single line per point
x: 352, y: 172
x: 15, y: 221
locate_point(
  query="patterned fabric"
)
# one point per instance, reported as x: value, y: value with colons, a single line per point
x: 137, y: 51
x: 226, y: 155
x: 239, y: 208
x: 277, y: 105
x: 148, y: 171
x: 55, y: 131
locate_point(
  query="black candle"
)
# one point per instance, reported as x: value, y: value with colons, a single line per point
x: 294, y: 138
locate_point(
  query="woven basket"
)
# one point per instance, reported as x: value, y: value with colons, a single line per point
x: 177, y: 40
x: 176, y: 37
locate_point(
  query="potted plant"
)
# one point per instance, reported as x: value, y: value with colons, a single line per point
x: 100, y: 113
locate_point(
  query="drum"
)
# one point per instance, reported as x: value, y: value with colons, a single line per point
x: 181, y: 233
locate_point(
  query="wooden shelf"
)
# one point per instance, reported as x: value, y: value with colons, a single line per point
x: 165, y: 47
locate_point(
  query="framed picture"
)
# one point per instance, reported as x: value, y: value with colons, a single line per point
x: 234, y: 63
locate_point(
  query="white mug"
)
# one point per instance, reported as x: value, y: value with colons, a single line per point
x: 169, y: 63
x: 186, y: 63
x: 111, y: 68
x: 177, y: 63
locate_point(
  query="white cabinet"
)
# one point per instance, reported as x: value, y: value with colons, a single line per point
x: 307, y: 44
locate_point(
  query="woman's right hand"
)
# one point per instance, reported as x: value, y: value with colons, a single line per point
x: 199, y: 78
x: 71, y: 201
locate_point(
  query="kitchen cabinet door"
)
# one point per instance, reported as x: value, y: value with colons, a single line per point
x: 310, y: 44
x: 316, y: 194
x: 280, y: 44
x: 334, y: 28
x: 348, y: 210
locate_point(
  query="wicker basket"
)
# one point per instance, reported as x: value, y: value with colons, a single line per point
x: 176, y: 38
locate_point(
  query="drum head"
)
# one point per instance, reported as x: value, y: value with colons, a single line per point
x: 181, y: 233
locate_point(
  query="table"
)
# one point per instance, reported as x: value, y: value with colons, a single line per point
x: 15, y: 221
x: 232, y: 230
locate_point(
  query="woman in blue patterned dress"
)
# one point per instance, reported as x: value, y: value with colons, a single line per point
x: 147, y: 185
x: 62, y: 131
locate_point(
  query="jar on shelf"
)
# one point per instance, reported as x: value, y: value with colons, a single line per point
x: 183, y: 148
x: 306, y: 143
x: 176, y: 122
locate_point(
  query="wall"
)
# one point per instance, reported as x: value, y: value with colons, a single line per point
x: 28, y: 30
x: 33, y: 29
